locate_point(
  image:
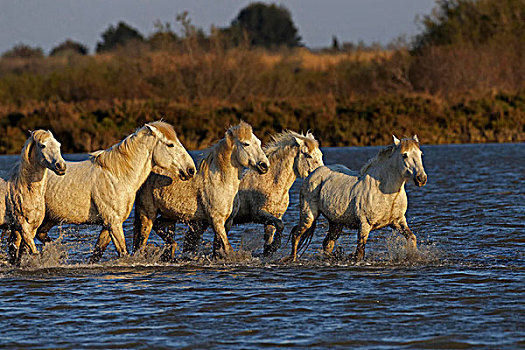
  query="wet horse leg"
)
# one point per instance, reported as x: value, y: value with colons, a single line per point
x: 42, y: 231
x: 193, y: 237
x: 308, y: 216
x: 221, y: 244
x: 142, y: 226
x: 362, y: 237
x: 103, y: 240
x: 334, y: 231
x: 273, y: 231
x: 117, y: 236
x: 161, y: 226
x: 14, y: 242
x: 114, y: 233
x: 402, y: 227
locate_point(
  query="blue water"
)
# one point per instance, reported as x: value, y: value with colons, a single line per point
x: 464, y: 290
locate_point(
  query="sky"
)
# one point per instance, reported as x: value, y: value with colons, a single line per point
x: 47, y: 23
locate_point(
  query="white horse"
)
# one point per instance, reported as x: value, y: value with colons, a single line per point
x: 371, y: 199
x: 205, y: 200
x: 102, y: 189
x: 264, y: 198
x: 22, y: 203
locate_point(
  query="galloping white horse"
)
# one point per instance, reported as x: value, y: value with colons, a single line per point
x: 205, y: 200
x: 22, y: 203
x: 371, y: 199
x: 102, y: 189
x: 264, y: 198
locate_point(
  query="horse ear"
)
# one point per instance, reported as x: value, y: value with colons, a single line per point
x: 299, y: 141
x: 230, y: 138
x: 152, y: 129
x: 396, y: 140
x: 415, y: 138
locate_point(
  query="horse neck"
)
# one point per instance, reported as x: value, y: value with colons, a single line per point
x: 141, y: 162
x: 281, y: 168
x: 387, y: 174
x: 221, y: 165
x: 31, y: 173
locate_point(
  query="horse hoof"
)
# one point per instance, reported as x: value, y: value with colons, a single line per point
x: 269, y: 250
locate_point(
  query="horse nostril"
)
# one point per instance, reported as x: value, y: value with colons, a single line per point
x: 61, y: 166
x: 191, y: 171
x: 263, y: 166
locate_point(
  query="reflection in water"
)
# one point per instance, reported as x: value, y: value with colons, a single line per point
x: 463, y: 289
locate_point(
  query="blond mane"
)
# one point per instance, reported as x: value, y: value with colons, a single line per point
x: 118, y: 158
x: 285, y: 140
x: 406, y: 145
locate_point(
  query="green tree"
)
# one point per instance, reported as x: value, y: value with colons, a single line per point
x: 472, y: 22
x: 118, y: 36
x: 69, y: 47
x: 24, y: 51
x: 267, y: 25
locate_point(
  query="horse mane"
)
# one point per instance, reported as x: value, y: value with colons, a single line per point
x: 405, y: 145
x: 118, y: 158
x: 285, y: 140
x: 243, y: 131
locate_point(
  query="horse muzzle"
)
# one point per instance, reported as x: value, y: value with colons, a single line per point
x: 420, y: 180
x: 60, y: 168
x: 188, y: 174
x: 262, y: 167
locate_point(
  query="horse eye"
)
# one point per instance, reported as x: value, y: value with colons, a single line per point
x: 42, y: 146
x: 171, y: 145
x: 245, y: 144
x: 405, y: 155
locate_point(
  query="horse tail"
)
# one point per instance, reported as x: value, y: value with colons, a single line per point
x: 294, y: 229
x: 306, y: 239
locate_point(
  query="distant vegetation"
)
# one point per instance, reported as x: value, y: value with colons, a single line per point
x: 447, y: 86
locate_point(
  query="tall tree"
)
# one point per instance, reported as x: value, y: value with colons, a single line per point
x: 472, y: 22
x: 117, y: 36
x: 69, y: 47
x: 267, y: 25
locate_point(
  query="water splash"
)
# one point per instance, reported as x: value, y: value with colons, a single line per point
x: 53, y: 254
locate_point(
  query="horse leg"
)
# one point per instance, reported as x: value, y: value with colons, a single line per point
x: 273, y: 231
x: 362, y: 237
x: 118, y: 238
x: 334, y: 231
x: 193, y: 237
x: 402, y: 227
x: 142, y: 226
x: 103, y: 240
x: 309, y: 214
x: 221, y: 244
x: 41, y: 232
x: 28, y: 236
x: 161, y: 226
x: 14, y: 241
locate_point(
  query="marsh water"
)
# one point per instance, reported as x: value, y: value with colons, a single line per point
x: 464, y: 289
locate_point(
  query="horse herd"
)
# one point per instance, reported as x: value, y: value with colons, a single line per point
x: 236, y: 182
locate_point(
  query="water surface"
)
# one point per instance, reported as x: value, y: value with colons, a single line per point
x: 464, y: 290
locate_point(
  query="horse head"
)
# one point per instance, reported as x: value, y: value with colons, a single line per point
x: 47, y: 151
x: 308, y: 157
x: 247, y: 151
x: 410, y: 159
x: 169, y: 153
